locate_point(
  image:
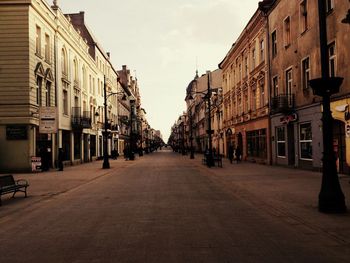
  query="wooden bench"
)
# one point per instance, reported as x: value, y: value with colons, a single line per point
x: 9, y: 185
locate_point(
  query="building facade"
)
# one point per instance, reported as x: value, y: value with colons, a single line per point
x: 54, y: 78
x: 294, y: 54
x: 245, y: 93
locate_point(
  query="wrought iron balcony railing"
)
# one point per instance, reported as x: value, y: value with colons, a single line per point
x: 282, y: 103
x: 80, y: 120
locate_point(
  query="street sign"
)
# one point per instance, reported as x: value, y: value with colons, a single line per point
x: 48, y: 120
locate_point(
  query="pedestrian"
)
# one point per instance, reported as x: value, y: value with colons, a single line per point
x: 125, y: 152
x: 230, y: 153
x: 60, y: 159
x: 238, y: 154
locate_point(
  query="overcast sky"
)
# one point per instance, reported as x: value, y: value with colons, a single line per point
x: 163, y: 41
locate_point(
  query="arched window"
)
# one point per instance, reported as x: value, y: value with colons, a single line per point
x: 75, y: 67
x: 84, y: 78
x: 64, y: 64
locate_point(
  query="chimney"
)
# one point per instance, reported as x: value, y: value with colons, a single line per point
x: 109, y: 55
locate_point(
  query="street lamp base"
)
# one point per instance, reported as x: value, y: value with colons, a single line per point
x: 331, y: 203
x: 105, y: 165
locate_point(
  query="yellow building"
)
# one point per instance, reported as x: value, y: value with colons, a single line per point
x: 245, y: 93
x: 50, y: 64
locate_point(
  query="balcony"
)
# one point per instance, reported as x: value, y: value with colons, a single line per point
x: 282, y: 103
x: 80, y: 120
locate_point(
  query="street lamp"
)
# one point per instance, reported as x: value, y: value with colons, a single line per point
x: 105, y: 135
x: 131, y: 146
x: 207, y: 96
x: 331, y: 198
x: 191, y: 134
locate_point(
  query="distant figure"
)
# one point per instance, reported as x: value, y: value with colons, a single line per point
x: 230, y: 153
x: 238, y: 154
x: 125, y: 152
x: 60, y: 159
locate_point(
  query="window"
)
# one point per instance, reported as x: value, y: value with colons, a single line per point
x: 47, y: 48
x: 253, y: 100
x: 305, y: 141
x: 289, y: 86
x: 246, y: 104
x: 305, y: 67
x: 48, y: 93
x: 64, y: 65
x: 75, y: 66
x: 240, y: 72
x: 281, y: 142
x: 240, y: 109
x: 274, y: 43
x: 303, y: 16
x: 262, y: 50
x: 65, y: 98
x: 262, y: 95
x: 286, y: 26
x: 329, y: 5
x: 253, y: 58
x: 275, y: 86
x: 256, y: 143
x: 38, y: 41
x: 39, y: 83
x: 246, y: 67
x: 332, y: 61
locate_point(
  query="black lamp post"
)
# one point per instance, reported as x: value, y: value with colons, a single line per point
x: 105, y: 164
x: 207, y: 96
x: 141, y: 146
x: 191, y: 135
x: 331, y: 198
x: 132, y: 147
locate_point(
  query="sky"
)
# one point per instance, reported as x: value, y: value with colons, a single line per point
x: 163, y: 42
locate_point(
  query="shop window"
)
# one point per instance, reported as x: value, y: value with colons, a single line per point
x: 305, y: 141
x: 281, y: 142
x: 256, y: 143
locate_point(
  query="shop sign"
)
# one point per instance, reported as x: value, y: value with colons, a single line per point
x: 48, y: 120
x: 289, y: 118
x: 16, y: 132
x: 36, y: 164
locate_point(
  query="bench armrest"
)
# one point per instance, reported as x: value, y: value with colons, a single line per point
x: 23, y: 182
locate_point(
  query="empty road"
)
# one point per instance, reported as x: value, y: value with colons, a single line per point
x: 162, y: 207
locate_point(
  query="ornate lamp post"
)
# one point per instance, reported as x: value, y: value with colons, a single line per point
x: 191, y: 135
x: 207, y: 96
x: 105, y: 164
x: 331, y: 198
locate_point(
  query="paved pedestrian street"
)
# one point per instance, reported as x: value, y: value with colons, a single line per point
x: 164, y: 207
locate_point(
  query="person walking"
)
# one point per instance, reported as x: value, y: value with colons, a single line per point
x: 238, y: 154
x: 60, y: 159
x: 230, y: 153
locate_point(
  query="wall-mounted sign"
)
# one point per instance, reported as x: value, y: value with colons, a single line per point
x: 289, y: 118
x: 48, y: 120
x: 16, y: 132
